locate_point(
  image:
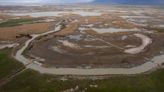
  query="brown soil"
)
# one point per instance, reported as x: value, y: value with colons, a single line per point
x: 95, y: 57
x: 105, y: 57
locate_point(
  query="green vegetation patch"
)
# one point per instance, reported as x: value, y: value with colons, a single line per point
x: 8, y: 66
x: 31, y: 81
x: 157, y: 29
x: 16, y: 22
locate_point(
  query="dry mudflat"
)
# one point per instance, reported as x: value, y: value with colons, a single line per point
x: 92, y: 38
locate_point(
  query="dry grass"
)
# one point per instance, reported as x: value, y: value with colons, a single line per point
x: 3, y: 16
x: 11, y: 32
x: 71, y: 28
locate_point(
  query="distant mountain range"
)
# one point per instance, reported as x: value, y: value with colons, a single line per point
x: 133, y: 2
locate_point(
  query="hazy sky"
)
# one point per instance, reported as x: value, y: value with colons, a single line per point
x: 44, y: 1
